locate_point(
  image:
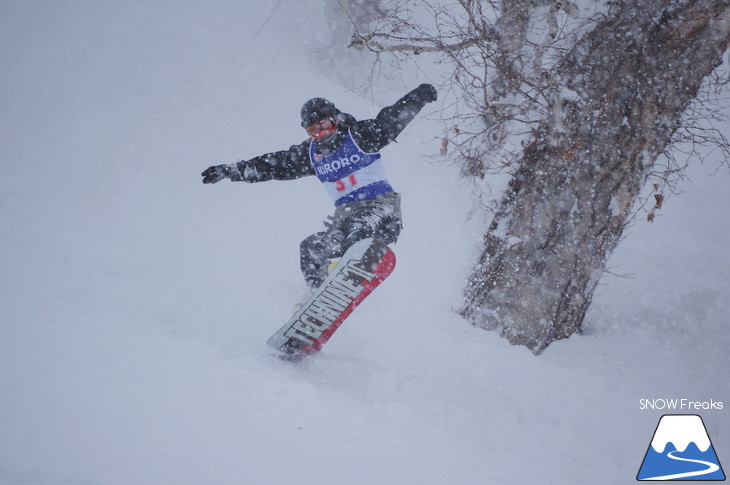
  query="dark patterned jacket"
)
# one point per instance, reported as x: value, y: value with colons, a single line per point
x: 371, y: 135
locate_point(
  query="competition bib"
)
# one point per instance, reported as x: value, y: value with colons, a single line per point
x: 350, y: 174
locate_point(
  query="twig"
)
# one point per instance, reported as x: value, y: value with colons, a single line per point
x: 263, y: 25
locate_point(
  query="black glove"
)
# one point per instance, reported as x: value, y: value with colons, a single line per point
x: 427, y: 93
x: 216, y: 173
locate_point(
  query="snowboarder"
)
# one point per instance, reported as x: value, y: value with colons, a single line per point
x: 344, y: 154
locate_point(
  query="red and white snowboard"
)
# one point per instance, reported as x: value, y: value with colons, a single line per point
x: 360, y: 270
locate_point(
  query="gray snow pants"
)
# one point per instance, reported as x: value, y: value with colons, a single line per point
x: 379, y: 218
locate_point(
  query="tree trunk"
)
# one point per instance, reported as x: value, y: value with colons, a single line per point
x: 626, y: 85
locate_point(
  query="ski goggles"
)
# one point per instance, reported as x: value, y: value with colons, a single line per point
x: 322, y: 128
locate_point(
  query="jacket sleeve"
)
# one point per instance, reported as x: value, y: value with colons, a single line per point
x: 372, y: 135
x: 282, y: 165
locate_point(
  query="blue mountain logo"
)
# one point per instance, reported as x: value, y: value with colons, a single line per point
x: 681, y: 450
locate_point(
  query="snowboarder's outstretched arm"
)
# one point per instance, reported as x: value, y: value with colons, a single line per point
x: 372, y: 135
x: 282, y: 165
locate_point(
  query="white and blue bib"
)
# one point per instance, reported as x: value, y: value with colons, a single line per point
x: 350, y: 174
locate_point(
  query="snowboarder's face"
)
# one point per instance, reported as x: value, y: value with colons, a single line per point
x: 322, y: 128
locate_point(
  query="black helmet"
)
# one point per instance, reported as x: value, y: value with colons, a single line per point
x: 316, y: 109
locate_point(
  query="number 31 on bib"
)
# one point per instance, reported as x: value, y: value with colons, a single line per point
x: 342, y: 184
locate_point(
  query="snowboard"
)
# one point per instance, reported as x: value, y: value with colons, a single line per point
x: 360, y: 270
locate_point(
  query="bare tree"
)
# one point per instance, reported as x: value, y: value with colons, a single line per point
x: 578, y: 109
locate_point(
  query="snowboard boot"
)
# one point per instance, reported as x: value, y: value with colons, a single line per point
x: 306, y: 294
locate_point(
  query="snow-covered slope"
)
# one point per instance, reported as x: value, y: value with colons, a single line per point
x: 135, y: 301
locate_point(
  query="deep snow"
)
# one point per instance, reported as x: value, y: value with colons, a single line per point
x: 136, y: 301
